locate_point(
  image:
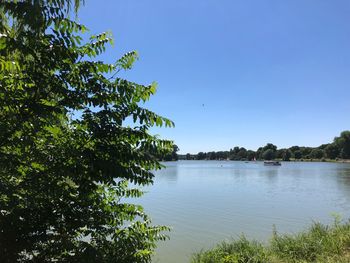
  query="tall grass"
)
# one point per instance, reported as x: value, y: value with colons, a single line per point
x: 320, y: 243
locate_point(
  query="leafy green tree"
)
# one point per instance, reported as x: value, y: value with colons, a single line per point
x: 66, y: 155
x: 221, y: 155
x: 233, y: 153
x: 317, y: 153
x: 270, y: 146
x: 188, y: 156
x: 268, y: 154
x: 280, y: 153
x: 201, y: 156
x: 261, y: 151
x: 235, y: 150
x: 297, y: 154
x: 287, y: 154
x: 305, y: 151
x: 294, y: 149
x: 173, y: 155
x: 242, y: 154
x: 250, y: 155
x: 332, y: 151
x: 211, y: 155
x: 343, y: 143
x: 323, y: 146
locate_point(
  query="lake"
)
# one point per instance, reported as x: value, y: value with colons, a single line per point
x: 206, y: 202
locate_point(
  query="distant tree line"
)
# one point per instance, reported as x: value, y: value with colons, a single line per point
x: 338, y: 149
x: 170, y: 156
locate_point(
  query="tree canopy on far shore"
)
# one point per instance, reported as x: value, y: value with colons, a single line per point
x: 338, y: 149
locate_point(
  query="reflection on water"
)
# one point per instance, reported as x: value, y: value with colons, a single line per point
x: 169, y: 175
x: 270, y: 174
x: 343, y: 184
x: 209, y: 201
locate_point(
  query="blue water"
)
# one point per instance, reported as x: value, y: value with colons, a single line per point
x: 206, y: 202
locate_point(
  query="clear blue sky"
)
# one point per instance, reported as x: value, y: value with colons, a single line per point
x: 243, y: 72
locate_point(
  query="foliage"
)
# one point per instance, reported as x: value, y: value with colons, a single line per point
x: 287, y: 154
x: 332, y: 151
x: 320, y: 243
x: 268, y: 154
x: 171, y: 156
x: 316, y: 154
x: 317, y: 243
x: 201, y: 156
x: 343, y: 143
x: 239, y: 251
x: 188, y: 156
x: 250, y: 155
x: 67, y: 156
x: 339, y: 148
x: 298, y: 155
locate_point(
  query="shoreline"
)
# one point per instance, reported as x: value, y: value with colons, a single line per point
x: 280, y: 160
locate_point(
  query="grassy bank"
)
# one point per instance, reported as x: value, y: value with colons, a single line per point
x: 319, y: 243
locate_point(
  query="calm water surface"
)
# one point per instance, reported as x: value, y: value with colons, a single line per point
x: 209, y: 201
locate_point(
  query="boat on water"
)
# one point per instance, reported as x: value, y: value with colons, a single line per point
x: 272, y: 163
